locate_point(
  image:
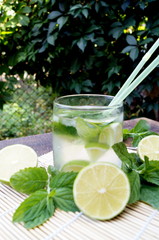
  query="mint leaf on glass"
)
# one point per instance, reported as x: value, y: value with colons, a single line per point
x: 150, y: 194
x: 29, y: 180
x: 35, y: 209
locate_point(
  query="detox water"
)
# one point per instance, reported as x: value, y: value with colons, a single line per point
x: 84, y: 129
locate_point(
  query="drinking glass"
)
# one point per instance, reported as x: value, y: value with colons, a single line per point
x: 84, y: 129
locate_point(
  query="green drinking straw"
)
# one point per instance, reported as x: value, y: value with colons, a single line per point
x: 130, y: 83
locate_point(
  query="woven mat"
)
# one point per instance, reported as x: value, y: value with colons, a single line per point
x: 138, y: 221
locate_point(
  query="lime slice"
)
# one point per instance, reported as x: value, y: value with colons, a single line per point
x: 96, y: 150
x: 74, y: 165
x: 111, y: 134
x: 101, y: 190
x: 149, y: 146
x: 86, y: 130
x: 107, y: 136
x: 118, y: 132
x: 16, y: 157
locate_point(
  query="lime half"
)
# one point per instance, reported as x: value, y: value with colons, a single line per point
x: 14, y: 158
x: 101, y: 190
x: 149, y: 146
x: 74, y: 165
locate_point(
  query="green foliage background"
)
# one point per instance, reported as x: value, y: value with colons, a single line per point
x: 81, y: 47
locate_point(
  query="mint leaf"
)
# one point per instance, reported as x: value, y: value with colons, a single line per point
x: 150, y: 171
x: 129, y: 160
x: 150, y: 194
x: 35, y: 210
x: 62, y: 179
x: 29, y: 180
x: 140, y: 130
x: 141, y: 126
x: 135, y: 185
x: 64, y: 200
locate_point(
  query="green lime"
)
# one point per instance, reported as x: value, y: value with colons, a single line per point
x: 101, y: 190
x: 96, y: 150
x: 86, y: 130
x: 74, y: 165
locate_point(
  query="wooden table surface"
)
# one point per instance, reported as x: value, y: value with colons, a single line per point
x: 42, y: 143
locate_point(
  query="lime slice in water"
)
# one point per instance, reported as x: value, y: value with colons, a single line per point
x: 86, y: 130
x: 107, y: 136
x: 74, y: 165
x: 96, y: 150
x: 111, y: 134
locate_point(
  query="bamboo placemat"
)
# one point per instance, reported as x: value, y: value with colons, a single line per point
x: 138, y: 221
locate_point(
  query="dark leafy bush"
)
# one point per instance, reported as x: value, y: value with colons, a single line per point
x: 82, y: 46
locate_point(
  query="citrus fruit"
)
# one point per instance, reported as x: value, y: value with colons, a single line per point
x: 86, y: 130
x: 16, y: 157
x: 107, y: 136
x: 101, y: 190
x: 74, y: 165
x: 111, y: 134
x: 149, y: 146
x: 96, y: 150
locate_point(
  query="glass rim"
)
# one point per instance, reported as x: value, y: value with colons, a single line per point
x: 86, y: 107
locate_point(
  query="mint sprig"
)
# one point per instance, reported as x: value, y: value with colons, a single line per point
x: 143, y: 176
x: 48, y: 191
x: 140, y: 130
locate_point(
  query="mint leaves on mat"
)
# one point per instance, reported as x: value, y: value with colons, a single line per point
x: 48, y: 191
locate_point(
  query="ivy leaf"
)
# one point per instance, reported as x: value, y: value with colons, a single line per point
x: 52, y: 38
x: 61, y: 21
x: 35, y: 210
x: 29, y: 180
x: 134, y: 53
x: 82, y: 43
x: 131, y: 40
x: 127, y: 49
x: 54, y: 14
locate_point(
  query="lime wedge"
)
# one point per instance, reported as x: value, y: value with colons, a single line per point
x: 96, y: 150
x: 101, y: 190
x: 74, y: 165
x: 111, y: 134
x: 14, y: 158
x: 86, y: 130
x: 107, y: 136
